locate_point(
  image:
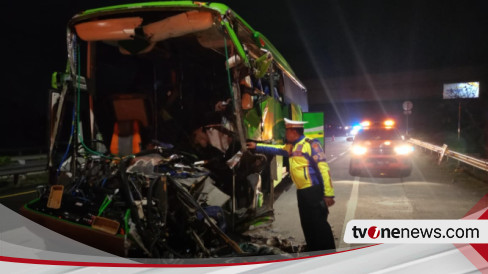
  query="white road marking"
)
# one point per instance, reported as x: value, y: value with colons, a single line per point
x: 350, y: 211
x: 335, y: 158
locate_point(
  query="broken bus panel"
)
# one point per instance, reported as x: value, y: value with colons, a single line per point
x: 149, y: 124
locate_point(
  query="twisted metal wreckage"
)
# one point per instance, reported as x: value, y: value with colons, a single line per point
x: 148, y: 130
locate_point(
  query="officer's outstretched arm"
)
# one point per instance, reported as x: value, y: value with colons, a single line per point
x: 282, y: 150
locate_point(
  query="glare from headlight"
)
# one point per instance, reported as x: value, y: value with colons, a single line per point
x: 404, y: 150
x: 359, y: 150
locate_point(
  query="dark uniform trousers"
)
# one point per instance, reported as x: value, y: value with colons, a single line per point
x: 313, y: 218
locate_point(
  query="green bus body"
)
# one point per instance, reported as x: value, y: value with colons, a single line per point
x: 168, y: 68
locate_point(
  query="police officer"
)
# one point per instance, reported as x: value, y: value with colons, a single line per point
x: 310, y: 173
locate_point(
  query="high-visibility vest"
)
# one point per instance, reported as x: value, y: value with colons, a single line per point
x: 126, y: 144
x: 307, y: 163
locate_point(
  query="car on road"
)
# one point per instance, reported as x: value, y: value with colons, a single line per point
x: 379, y: 149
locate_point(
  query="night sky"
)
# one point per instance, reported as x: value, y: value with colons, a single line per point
x: 318, y: 38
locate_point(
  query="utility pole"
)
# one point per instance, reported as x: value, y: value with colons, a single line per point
x: 459, y: 121
x: 407, y: 110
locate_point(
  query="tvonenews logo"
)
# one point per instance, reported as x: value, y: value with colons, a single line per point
x: 416, y: 231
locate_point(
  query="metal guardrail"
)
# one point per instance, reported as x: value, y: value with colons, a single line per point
x: 445, y: 152
x: 24, y: 164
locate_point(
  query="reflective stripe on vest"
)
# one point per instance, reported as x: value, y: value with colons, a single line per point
x: 311, y: 161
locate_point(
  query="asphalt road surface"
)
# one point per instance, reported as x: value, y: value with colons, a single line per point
x: 431, y: 192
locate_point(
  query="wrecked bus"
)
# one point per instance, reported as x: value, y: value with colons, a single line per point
x: 148, y: 127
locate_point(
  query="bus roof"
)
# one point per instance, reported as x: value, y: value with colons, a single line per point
x: 217, y: 9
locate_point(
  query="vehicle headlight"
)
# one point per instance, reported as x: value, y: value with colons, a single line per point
x: 403, y: 149
x: 359, y: 150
